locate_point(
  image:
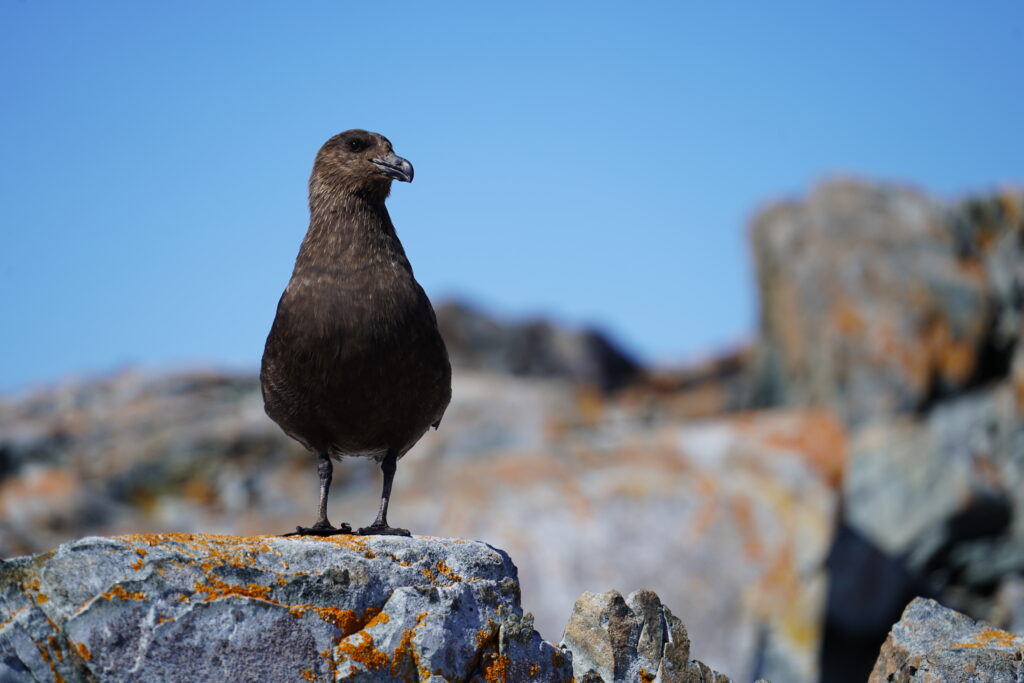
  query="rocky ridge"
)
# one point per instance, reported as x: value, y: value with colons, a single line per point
x: 200, y: 607
x: 934, y: 643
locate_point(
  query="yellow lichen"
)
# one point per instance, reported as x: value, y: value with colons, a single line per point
x: 496, y: 668
x: 219, y: 589
x: 484, y: 635
x: 83, y: 651
x: 444, y: 570
x: 364, y: 652
x: 119, y: 592
x: 991, y: 637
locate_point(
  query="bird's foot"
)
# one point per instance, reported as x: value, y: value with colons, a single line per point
x: 378, y: 529
x: 321, y: 529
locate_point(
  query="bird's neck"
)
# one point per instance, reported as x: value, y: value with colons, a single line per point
x: 348, y: 231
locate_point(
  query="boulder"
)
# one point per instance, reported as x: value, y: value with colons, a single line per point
x: 877, y: 300
x: 933, y: 643
x: 945, y: 493
x: 533, y: 347
x: 210, y: 608
x: 636, y: 639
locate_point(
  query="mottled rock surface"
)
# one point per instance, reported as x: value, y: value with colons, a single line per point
x: 631, y: 639
x: 728, y: 520
x: 215, y: 608
x: 533, y: 348
x: 932, y: 643
x: 878, y: 300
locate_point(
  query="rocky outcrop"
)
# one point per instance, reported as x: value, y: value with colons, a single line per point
x: 728, y: 520
x: 933, y: 643
x: 903, y: 316
x: 533, y: 348
x: 185, y: 607
x: 878, y: 300
x: 207, y: 608
x: 636, y: 639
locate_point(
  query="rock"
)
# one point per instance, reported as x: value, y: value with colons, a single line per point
x: 942, y: 493
x: 199, y: 607
x: 636, y: 639
x: 533, y: 348
x: 877, y: 300
x: 1007, y: 610
x: 867, y: 592
x: 728, y: 520
x: 933, y: 643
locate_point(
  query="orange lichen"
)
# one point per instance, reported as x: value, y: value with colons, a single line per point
x: 138, y: 565
x: 55, y: 646
x: 991, y: 637
x: 346, y: 620
x: 381, y: 618
x: 349, y: 542
x: 219, y: 589
x: 817, y: 437
x: 45, y: 654
x: 119, y: 592
x: 83, y: 651
x: 743, y: 514
x: 534, y: 670
x: 308, y: 674
x: 484, y: 635
x: 364, y: 652
x: 557, y: 658
x: 645, y: 677
x: 406, y: 653
x: 496, y: 668
x: 446, y: 571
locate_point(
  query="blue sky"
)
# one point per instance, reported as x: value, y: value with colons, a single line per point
x: 597, y: 162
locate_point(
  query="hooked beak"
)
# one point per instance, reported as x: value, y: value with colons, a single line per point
x: 394, y: 166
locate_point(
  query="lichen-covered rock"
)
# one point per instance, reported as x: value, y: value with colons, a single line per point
x: 728, y: 520
x: 935, y: 644
x: 878, y: 300
x: 636, y: 640
x: 196, y: 607
x: 945, y: 493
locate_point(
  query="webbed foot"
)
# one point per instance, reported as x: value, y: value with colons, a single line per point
x: 376, y: 529
x: 321, y: 529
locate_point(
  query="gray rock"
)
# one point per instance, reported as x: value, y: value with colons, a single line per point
x: 945, y: 493
x: 534, y: 348
x: 932, y: 643
x: 633, y: 640
x: 584, y: 490
x: 197, y: 607
x: 878, y: 300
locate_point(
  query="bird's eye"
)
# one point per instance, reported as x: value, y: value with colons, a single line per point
x: 356, y: 145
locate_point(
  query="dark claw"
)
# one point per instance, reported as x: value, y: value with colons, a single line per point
x: 320, y: 530
x: 382, y: 530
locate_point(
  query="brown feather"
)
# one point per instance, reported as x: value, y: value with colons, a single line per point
x: 354, y: 363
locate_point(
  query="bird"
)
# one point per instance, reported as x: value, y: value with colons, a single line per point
x: 354, y: 364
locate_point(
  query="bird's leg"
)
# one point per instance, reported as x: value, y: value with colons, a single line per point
x: 380, y: 525
x: 322, y: 527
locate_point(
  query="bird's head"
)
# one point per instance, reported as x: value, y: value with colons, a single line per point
x: 358, y: 162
